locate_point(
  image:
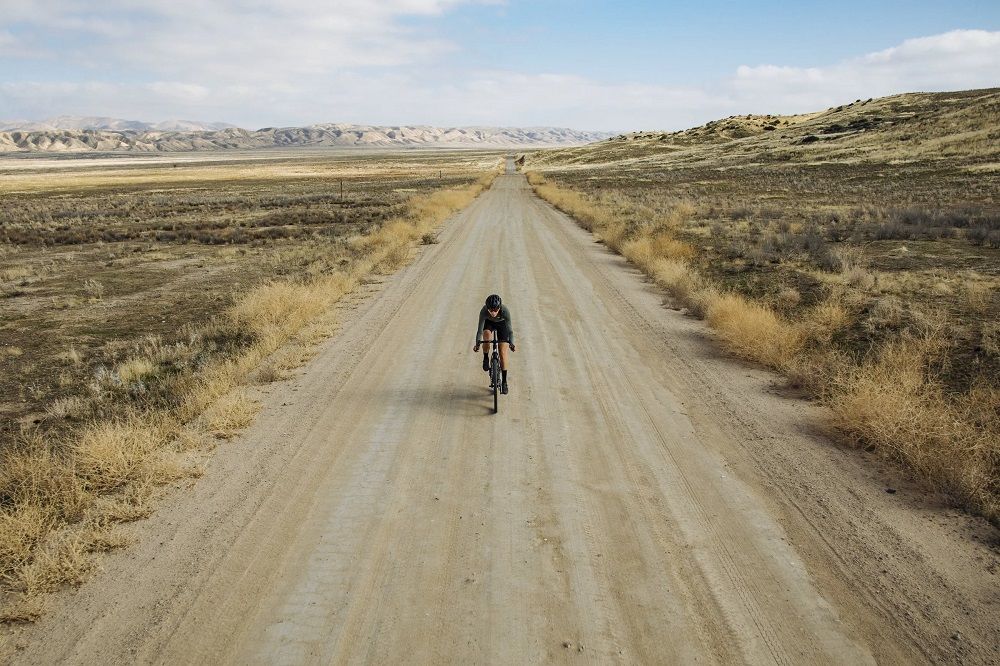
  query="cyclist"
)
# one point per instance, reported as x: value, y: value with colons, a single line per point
x: 495, y: 324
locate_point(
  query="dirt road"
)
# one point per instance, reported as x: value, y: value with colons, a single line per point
x: 638, y: 499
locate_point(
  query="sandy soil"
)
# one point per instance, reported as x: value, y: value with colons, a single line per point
x: 638, y: 499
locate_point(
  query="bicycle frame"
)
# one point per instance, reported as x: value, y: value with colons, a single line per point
x: 496, y: 373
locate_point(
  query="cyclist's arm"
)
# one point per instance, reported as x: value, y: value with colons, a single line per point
x: 482, y: 325
x: 510, y: 323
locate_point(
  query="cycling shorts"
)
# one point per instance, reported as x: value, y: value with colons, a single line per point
x: 501, y: 328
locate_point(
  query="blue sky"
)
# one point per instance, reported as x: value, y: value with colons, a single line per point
x: 588, y: 65
x: 656, y: 40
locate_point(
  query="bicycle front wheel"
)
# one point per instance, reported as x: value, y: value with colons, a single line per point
x: 495, y: 375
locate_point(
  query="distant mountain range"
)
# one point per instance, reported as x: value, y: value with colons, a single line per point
x: 79, y: 134
x: 109, y: 124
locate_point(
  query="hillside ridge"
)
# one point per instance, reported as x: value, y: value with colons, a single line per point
x: 960, y: 124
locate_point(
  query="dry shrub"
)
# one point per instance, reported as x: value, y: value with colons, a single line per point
x: 670, y: 273
x: 753, y: 331
x: 679, y: 212
x: 33, y: 476
x: 824, y: 320
x: 640, y: 252
x: 39, y: 491
x: 112, y: 454
x: 272, y: 314
x: 206, y: 391
x: 438, y: 206
x: 231, y: 414
x: 21, y: 530
x: 131, y: 504
x: 887, y: 312
x: 670, y: 248
x: 572, y: 203
x: 135, y: 369
x: 788, y: 298
x: 277, y: 308
x: 269, y: 373
x: 813, y: 371
x: 15, y: 273
x: 646, y: 250
x: 613, y: 235
x: 189, y: 439
x: 72, y: 355
x: 393, y: 258
x: 978, y: 297
x: 65, y: 408
x: 682, y: 282
x: 858, y: 277
x: 62, y: 561
x: 892, y: 405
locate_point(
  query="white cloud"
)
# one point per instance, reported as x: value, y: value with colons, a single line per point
x: 246, y: 40
x: 950, y: 61
x: 298, y: 62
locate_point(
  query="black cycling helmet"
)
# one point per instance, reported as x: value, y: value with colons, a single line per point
x: 492, y: 302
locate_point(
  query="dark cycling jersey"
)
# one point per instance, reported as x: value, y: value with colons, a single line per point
x: 502, y: 320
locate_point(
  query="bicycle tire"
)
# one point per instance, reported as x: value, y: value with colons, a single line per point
x: 495, y: 375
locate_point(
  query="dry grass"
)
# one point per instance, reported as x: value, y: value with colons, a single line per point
x: 270, y: 372
x: 753, y: 331
x: 64, y: 560
x: 135, y: 369
x: 66, y: 408
x: 978, y: 297
x: 21, y: 530
x: 824, y: 320
x: 72, y: 355
x: 894, y: 405
x: 110, y: 455
x: 35, y: 477
x: 231, y: 413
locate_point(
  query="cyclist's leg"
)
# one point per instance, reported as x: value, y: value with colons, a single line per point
x: 503, y: 367
x: 487, y: 335
x: 503, y: 335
